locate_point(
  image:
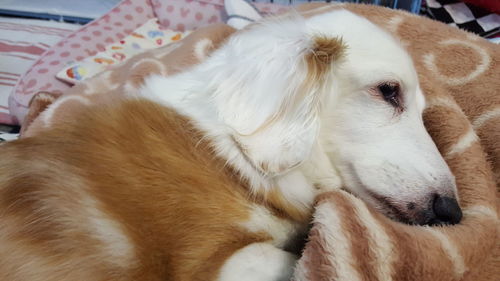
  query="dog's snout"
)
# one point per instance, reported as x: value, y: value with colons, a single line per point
x: 446, y: 210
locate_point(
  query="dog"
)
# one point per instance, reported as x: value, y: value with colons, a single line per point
x: 226, y: 159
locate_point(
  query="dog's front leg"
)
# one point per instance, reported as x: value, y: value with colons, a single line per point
x: 258, y: 262
x: 320, y: 171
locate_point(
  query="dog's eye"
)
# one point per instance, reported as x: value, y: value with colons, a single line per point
x: 390, y: 93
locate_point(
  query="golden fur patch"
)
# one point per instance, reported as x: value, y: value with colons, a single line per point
x: 324, y: 52
x: 88, y: 203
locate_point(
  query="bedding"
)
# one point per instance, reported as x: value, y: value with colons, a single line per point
x: 189, y: 14
x: 348, y: 240
x: 69, y: 10
x: 85, y: 41
x: 8, y: 136
x: 176, y: 15
x: 492, y: 6
x: 148, y: 36
x: 22, y: 42
x: 8, y: 133
x: 465, y: 16
x: 119, y: 22
x: 409, y: 5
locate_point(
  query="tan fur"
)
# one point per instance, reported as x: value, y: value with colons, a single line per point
x: 324, y: 52
x: 175, y: 205
x: 285, y: 208
x: 38, y: 103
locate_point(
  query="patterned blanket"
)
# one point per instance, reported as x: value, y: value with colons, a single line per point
x: 459, y: 74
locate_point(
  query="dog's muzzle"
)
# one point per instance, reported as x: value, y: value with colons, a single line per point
x: 444, y: 210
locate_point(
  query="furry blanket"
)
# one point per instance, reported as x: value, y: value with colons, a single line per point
x: 349, y: 241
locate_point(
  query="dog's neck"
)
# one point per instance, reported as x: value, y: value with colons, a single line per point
x: 293, y: 190
x: 190, y: 97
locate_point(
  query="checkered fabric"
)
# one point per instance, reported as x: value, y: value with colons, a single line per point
x: 8, y: 133
x: 409, y: 5
x: 465, y: 16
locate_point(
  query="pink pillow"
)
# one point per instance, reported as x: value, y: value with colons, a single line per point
x: 22, y: 42
x: 87, y: 41
x: 191, y: 14
x: 178, y: 15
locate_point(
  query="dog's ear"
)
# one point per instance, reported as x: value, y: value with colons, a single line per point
x: 278, y: 123
x: 323, y: 53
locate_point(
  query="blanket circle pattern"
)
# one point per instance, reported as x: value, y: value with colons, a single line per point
x: 349, y: 241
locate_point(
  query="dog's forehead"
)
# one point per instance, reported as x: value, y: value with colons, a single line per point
x: 375, y: 69
x: 372, y: 53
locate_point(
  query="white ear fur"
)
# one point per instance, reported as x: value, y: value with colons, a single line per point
x: 272, y: 103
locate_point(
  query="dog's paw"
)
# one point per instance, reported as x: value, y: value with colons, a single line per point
x: 258, y: 262
x: 320, y: 171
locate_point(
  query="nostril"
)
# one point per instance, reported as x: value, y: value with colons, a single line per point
x: 446, y: 210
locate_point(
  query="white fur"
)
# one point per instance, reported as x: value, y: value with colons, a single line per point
x: 109, y: 232
x: 246, y: 98
x: 298, y: 189
x: 263, y: 221
x: 49, y: 112
x: 201, y: 48
x: 233, y: 104
x: 375, y: 149
x: 258, y: 261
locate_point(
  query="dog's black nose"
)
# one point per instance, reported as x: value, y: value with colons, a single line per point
x: 446, y: 210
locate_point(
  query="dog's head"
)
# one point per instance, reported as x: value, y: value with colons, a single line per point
x: 373, y: 130
x: 281, y: 84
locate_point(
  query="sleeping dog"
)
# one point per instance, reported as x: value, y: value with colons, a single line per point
x: 211, y: 174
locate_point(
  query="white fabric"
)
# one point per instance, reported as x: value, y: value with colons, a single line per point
x: 459, y: 12
x: 489, y: 22
x: 8, y: 137
x: 433, y: 4
x: 240, y: 13
x: 75, y: 8
x: 22, y: 41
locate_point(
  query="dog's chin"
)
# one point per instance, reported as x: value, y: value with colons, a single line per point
x: 388, y: 208
x: 393, y: 213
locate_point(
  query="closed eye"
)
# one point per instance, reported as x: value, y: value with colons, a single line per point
x: 391, y: 93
